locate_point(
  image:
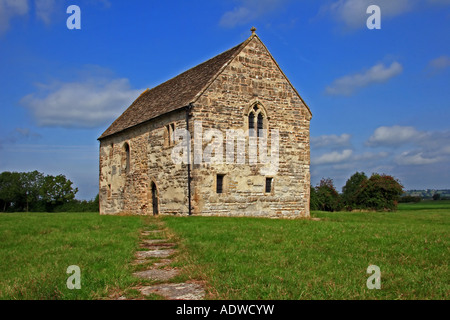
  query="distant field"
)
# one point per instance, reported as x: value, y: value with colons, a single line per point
x: 426, y: 206
x: 249, y: 258
x: 241, y: 258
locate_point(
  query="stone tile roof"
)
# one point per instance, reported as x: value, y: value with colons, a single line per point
x: 173, y: 94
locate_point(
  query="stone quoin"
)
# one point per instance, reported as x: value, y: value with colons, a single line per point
x: 242, y: 89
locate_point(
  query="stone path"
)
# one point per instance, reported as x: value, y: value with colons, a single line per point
x: 159, y: 253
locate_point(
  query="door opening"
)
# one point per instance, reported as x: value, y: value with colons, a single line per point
x: 154, y: 199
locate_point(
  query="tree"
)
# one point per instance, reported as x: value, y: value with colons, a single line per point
x: 9, y: 189
x: 57, y: 191
x: 436, y: 196
x: 352, y: 189
x: 313, y: 201
x: 32, y: 191
x: 327, y: 197
x: 380, y: 192
x: 31, y: 184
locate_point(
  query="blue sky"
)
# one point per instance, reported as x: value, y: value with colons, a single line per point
x: 380, y: 98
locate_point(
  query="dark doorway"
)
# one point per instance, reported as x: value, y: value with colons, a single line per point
x: 154, y: 199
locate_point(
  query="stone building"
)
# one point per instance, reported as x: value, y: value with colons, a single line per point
x: 241, y: 94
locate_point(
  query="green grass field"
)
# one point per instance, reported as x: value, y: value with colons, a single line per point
x: 249, y: 258
x: 240, y: 258
x: 37, y: 248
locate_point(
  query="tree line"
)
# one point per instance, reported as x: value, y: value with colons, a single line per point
x: 380, y: 192
x: 34, y: 191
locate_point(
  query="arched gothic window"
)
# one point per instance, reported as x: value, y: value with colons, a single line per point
x: 127, y: 157
x: 256, y: 120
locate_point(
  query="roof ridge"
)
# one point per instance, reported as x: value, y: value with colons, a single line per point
x: 198, y: 65
x: 241, y: 46
x: 174, y: 93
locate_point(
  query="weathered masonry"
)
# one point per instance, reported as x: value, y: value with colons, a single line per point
x: 241, y: 90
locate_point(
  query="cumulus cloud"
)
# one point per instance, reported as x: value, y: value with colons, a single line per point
x: 331, y: 141
x: 394, y: 136
x: 379, y: 73
x: 429, y: 147
x: 416, y: 158
x: 248, y: 11
x: 333, y: 157
x: 10, y: 9
x: 439, y: 64
x: 45, y: 10
x: 352, y: 13
x: 88, y: 103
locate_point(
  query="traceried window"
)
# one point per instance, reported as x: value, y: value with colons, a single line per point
x: 260, y: 124
x: 251, y: 121
x: 256, y: 120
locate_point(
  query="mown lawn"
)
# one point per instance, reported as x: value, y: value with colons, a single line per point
x: 251, y: 258
x: 37, y: 248
x: 240, y: 258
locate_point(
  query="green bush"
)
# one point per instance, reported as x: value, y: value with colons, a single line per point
x: 328, y: 198
x: 380, y: 192
x: 352, y: 190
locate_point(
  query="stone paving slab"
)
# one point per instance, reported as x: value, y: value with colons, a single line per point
x: 162, y: 246
x: 149, y: 232
x: 154, y: 253
x: 176, y: 291
x: 159, y: 263
x: 157, y: 274
x: 152, y: 241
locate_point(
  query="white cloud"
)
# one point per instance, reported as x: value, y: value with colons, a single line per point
x: 331, y: 140
x: 377, y: 74
x: 333, y: 157
x: 248, y: 11
x: 431, y: 147
x: 412, y: 158
x: 394, y: 136
x: 45, y: 10
x: 89, y: 103
x: 440, y: 63
x: 352, y: 13
x: 9, y: 9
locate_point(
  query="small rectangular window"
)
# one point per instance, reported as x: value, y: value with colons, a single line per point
x: 269, y: 185
x: 219, y: 184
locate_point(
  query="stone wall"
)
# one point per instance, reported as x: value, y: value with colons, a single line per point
x: 254, y: 78
x: 150, y: 161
